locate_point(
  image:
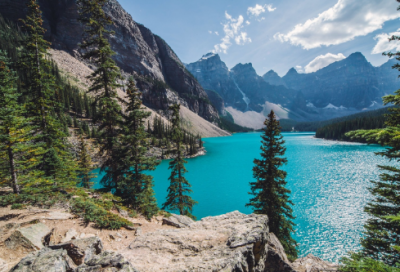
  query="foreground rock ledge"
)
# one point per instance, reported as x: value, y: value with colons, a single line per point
x: 230, y: 242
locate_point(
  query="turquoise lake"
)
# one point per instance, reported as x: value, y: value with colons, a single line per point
x: 329, y: 181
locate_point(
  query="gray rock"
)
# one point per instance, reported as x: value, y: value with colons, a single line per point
x: 71, y: 234
x: 138, y: 231
x: 123, y: 213
x: 29, y: 237
x: 179, y: 221
x: 57, y: 215
x: 311, y: 263
x: 3, y: 266
x: 45, y: 260
x: 230, y: 242
x: 276, y: 260
x: 81, y: 250
x: 107, y: 261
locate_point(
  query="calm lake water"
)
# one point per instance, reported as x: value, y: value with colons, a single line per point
x: 328, y: 180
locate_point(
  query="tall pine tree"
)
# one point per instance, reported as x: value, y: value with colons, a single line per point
x: 381, y: 240
x: 104, y: 88
x: 270, y: 195
x: 55, y: 161
x: 179, y: 188
x: 137, y: 185
x: 14, y: 127
x: 85, y: 165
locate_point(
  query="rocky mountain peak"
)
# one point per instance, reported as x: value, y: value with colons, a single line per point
x: 292, y: 71
x: 271, y: 73
x: 273, y: 78
x: 246, y: 68
x: 356, y: 56
x: 356, y: 59
x: 209, y: 56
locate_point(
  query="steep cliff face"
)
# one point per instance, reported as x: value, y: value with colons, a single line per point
x: 138, y: 49
x: 388, y: 78
x: 240, y: 88
x: 213, y: 74
x: 258, y: 90
x: 273, y: 78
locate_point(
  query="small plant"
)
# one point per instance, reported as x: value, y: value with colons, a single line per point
x: 17, y: 206
x: 132, y: 214
x: 92, y: 212
x: 164, y: 213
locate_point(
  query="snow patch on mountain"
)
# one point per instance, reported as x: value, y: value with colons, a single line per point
x: 310, y: 105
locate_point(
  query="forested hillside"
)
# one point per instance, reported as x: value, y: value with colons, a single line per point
x: 314, y: 126
x: 50, y: 129
x: 337, y: 130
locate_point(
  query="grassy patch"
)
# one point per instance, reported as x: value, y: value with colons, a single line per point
x: 95, y: 211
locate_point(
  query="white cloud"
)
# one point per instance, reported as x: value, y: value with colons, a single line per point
x: 258, y: 9
x: 233, y: 31
x: 270, y: 8
x: 210, y: 31
x: 299, y: 69
x: 247, y: 22
x: 383, y: 44
x: 322, y: 61
x: 343, y: 22
x: 216, y: 33
x: 242, y: 38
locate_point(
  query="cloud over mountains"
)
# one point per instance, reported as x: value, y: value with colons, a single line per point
x: 343, y: 22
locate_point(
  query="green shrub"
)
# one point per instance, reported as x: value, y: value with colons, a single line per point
x: 358, y: 263
x: 106, y: 204
x: 132, y: 214
x: 92, y: 212
x: 17, y: 206
x: 164, y: 213
x: 43, y: 200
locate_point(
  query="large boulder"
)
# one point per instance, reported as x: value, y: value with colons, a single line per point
x: 107, y: 261
x: 179, y: 221
x: 230, y: 242
x: 30, y: 238
x: 82, y: 255
x: 45, y: 260
x: 82, y: 250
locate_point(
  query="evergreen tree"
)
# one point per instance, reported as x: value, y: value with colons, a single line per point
x: 137, y: 186
x: 14, y: 127
x: 42, y: 104
x: 85, y: 165
x: 179, y: 188
x: 104, y: 88
x: 270, y: 196
x: 381, y: 239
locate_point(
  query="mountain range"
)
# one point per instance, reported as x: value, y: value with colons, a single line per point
x: 344, y: 87
x: 158, y: 71
x: 208, y: 87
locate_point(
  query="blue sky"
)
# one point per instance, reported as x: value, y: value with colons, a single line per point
x: 276, y: 34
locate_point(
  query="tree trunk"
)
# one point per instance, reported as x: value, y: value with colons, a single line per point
x: 12, y: 171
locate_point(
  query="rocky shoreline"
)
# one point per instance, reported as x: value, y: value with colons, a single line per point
x: 53, y: 240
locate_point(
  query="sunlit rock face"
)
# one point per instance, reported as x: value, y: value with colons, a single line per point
x: 137, y: 48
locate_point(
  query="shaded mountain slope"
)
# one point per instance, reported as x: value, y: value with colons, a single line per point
x: 138, y: 49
